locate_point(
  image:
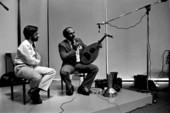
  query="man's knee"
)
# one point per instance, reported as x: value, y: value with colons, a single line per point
x: 64, y: 73
x: 52, y: 72
x: 95, y: 68
x: 36, y: 76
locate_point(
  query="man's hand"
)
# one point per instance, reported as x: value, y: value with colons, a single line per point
x: 100, y: 45
x: 76, y: 44
x: 72, y: 53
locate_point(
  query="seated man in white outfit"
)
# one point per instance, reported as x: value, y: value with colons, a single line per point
x: 27, y: 66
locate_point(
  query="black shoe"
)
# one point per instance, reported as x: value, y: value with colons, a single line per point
x: 70, y: 91
x: 35, y: 97
x: 37, y: 101
x: 83, y: 90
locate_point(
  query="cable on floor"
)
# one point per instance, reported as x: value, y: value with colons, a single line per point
x: 67, y: 102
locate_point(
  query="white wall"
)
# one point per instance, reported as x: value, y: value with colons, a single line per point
x: 34, y: 12
x: 8, y: 31
x: 127, y: 51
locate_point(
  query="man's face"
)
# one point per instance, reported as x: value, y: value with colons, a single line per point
x: 70, y: 34
x: 35, y: 37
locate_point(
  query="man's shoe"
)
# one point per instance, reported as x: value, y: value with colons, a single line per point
x: 35, y: 97
x: 83, y: 90
x: 37, y: 101
x: 70, y: 91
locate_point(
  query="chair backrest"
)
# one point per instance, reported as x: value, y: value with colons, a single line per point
x: 13, y: 56
x: 9, y: 62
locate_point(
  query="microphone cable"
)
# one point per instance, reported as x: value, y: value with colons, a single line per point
x: 161, y: 74
x: 129, y: 26
x: 67, y: 102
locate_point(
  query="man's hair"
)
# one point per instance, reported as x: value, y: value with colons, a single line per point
x: 29, y: 30
x: 65, y: 31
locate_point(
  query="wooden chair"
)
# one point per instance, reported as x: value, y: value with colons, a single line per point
x: 76, y: 74
x: 10, y: 68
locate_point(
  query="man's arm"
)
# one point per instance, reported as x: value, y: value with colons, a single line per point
x: 65, y: 56
x: 31, y: 57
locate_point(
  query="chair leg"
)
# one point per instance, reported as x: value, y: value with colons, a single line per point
x: 48, y: 93
x: 12, y: 91
x: 61, y: 84
x: 24, y: 93
x: 82, y: 78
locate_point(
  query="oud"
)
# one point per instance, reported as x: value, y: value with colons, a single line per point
x: 90, y: 53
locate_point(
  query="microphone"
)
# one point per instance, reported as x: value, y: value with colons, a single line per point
x: 98, y: 24
x: 101, y: 23
x: 4, y: 6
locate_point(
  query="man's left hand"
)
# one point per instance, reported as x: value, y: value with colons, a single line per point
x: 100, y: 45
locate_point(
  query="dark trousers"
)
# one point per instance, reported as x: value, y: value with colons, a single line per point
x: 68, y: 69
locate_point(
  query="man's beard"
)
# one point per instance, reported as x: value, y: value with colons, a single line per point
x: 72, y: 38
x: 34, y: 39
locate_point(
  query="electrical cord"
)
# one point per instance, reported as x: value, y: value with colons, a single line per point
x: 163, y: 65
x: 67, y: 102
x: 93, y: 92
x: 149, y: 59
x: 129, y: 26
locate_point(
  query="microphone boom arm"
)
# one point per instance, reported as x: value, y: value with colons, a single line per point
x: 106, y: 22
x: 4, y: 6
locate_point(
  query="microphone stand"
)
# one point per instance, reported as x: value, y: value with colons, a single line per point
x: 148, y: 8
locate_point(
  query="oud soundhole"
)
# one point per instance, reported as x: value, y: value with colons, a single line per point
x: 87, y: 56
x: 92, y: 50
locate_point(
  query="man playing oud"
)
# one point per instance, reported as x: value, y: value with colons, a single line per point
x: 69, y: 52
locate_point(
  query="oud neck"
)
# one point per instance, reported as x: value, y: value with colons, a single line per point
x: 100, y: 41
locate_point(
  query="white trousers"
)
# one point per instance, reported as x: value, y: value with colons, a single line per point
x: 40, y: 77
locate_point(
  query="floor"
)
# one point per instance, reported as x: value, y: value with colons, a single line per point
x: 59, y: 102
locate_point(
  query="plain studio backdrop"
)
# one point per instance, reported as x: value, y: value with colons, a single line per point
x: 125, y: 53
